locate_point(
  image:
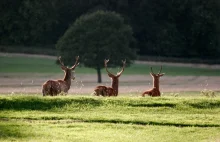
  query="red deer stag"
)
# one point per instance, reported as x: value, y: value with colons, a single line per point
x: 155, y: 92
x: 113, y: 90
x: 55, y: 87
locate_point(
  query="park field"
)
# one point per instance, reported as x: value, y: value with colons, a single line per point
x: 114, y: 119
x: 25, y: 73
x: 183, y: 113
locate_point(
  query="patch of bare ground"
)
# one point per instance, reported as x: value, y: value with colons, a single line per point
x: 85, y: 83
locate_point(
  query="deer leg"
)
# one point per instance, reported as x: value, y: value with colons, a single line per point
x: 149, y: 93
x: 143, y: 94
x: 158, y: 93
x: 93, y: 93
x: 110, y: 93
x: 155, y: 93
x: 146, y: 92
x: 43, y: 92
x: 104, y: 93
x: 97, y: 92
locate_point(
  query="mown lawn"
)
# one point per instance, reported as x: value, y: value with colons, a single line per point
x: 115, y: 119
x: 19, y: 64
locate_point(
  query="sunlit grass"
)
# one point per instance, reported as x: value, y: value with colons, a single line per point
x: 18, y: 130
x: 86, y: 118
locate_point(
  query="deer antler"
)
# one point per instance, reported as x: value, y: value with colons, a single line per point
x: 160, y: 70
x: 76, y: 63
x: 151, y: 70
x: 159, y: 73
x: 61, y: 63
x: 105, y: 62
x: 123, y: 67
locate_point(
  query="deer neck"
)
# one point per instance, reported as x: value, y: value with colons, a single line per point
x: 67, y: 78
x: 156, y: 83
x: 115, y: 84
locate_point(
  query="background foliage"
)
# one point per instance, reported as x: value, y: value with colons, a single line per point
x: 180, y: 28
x: 95, y: 37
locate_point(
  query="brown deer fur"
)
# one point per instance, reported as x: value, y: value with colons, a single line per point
x: 156, y: 90
x: 113, y: 90
x: 100, y: 90
x: 110, y: 91
x: 55, y: 87
x: 104, y: 91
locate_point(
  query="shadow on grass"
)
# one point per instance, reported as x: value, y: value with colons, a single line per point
x: 119, y: 121
x: 37, y: 103
x: 154, y: 105
x: 205, y: 104
x: 151, y: 123
x: 133, y: 122
x: 50, y: 103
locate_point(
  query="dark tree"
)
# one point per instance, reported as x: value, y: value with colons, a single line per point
x: 98, y: 36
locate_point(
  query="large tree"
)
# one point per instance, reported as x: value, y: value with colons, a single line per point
x: 98, y: 36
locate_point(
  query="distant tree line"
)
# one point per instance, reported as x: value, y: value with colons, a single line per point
x: 172, y: 28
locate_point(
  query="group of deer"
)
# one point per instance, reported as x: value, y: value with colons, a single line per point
x: 55, y: 87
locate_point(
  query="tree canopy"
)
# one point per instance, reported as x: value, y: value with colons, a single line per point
x: 177, y: 28
x: 98, y: 36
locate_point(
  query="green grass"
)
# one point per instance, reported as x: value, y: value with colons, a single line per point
x: 186, y: 116
x: 16, y: 64
x: 81, y: 118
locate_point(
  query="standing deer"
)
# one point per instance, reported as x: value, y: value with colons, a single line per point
x: 155, y: 91
x: 55, y: 87
x: 113, y: 90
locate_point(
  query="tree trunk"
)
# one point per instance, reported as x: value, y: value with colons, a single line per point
x: 99, y: 75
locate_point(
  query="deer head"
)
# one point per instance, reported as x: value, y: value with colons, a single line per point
x: 159, y: 74
x: 115, y: 78
x: 69, y: 72
x: 118, y: 73
x: 156, y: 77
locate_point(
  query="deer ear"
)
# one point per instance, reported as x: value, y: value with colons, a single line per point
x: 162, y: 74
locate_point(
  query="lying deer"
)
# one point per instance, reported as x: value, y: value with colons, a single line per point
x: 155, y: 91
x: 100, y: 90
x: 55, y: 87
x: 104, y: 91
x: 113, y: 90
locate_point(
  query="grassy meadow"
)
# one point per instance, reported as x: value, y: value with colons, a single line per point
x: 173, y: 117
x: 98, y: 119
